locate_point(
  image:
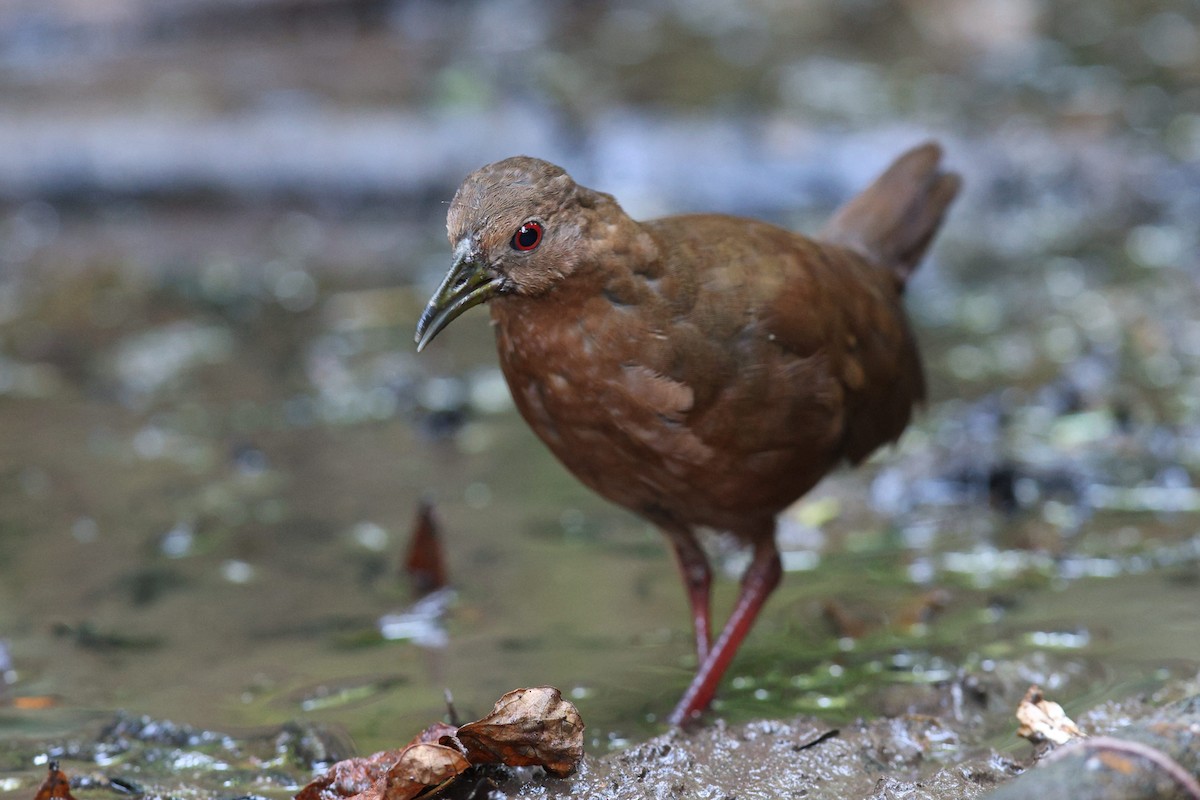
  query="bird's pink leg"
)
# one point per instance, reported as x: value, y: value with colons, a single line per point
x: 697, y: 582
x: 760, y: 580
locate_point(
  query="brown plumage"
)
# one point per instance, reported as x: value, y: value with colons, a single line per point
x: 701, y: 370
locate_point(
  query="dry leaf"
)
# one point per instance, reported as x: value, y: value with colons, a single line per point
x: 389, y: 775
x: 527, y: 727
x: 424, y: 562
x: 921, y: 609
x: 423, y: 767
x: 847, y: 623
x: 918, y: 610
x: 56, y: 785
x: 350, y: 777
x: 1044, y: 720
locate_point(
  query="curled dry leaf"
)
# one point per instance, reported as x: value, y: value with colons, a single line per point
x: 351, y: 777
x: 1044, y: 720
x: 847, y: 623
x: 918, y: 610
x: 422, y: 767
x: 56, y: 786
x: 424, y: 562
x: 921, y: 609
x: 527, y: 727
x: 389, y: 775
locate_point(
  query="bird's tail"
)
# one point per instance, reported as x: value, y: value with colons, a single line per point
x: 895, y: 218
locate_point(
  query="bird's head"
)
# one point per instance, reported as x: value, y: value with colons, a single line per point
x: 517, y: 226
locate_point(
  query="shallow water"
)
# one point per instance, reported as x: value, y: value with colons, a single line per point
x: 216, y: 434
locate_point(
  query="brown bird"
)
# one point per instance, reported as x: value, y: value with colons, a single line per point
x: 704, y: 371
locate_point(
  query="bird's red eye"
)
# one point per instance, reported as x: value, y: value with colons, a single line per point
x: 527, y: 237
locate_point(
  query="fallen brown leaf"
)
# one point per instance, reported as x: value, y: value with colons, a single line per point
x: 34, y: 702
x: 846, y: 623
x: 350, y: 777
x: 423, y: 767
x: 921, y: 609
x: 854, y: 624
x: 424, y: 563
x: 1044, y: 720
x: 419, y: 768
x: 56, y: 786
x: 527, y: 727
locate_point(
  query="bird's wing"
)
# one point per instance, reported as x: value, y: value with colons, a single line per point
x: 753, y: 387
x: 849, y: 310
x: 782, y: 343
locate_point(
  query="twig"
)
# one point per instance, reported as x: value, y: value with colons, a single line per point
x: 1151, y: 754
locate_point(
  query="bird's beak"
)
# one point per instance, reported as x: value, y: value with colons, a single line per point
x: 468, y: 283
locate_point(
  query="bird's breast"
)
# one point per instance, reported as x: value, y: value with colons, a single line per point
x: 574, y: 375
x: 557, y: 362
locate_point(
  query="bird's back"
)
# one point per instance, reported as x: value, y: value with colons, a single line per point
x: 813, y: 345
